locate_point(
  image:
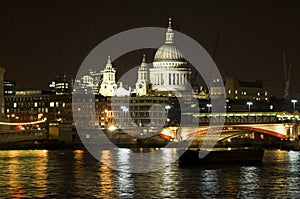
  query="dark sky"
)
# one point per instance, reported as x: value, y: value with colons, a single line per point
x: 40, y: 38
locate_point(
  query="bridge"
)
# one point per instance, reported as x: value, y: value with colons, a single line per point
x: 20, y: 133
x: 22, y: 136
x: 280, y: 125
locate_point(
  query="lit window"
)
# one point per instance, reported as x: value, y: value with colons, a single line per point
x: 35, y: 104
x: 15, y: 105
x: 51, y: 104
x: 229, y: 92
x: 235, y: 91
x: 262, y: 136
x: 258, y: 94
x: 245, y: 93
x: 271, y: 107
x: 266, y: 93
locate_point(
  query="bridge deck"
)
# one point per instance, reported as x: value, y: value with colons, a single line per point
x: 17, y: 136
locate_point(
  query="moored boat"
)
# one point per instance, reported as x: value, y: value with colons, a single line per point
x: 221, y: 156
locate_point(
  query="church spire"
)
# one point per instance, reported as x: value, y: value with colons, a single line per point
x: 170, y: 33
x: 108, y: 64
x: 144, y: 63
x: 144, y: 59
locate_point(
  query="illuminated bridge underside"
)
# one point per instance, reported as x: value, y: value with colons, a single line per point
x: 22, y: 123
x: 218, y: 136
x: 276, y: 130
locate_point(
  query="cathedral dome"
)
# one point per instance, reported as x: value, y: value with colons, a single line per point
x: 168, y: 52
x: 170, y: 71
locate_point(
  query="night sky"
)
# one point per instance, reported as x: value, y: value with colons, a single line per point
x: 38, y: 39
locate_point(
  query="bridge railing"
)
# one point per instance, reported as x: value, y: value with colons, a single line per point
x: 242, y: 118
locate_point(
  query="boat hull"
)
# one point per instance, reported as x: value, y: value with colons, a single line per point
x: 236, y: 156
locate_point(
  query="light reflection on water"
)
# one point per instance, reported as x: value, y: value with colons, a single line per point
x: 65, y: 173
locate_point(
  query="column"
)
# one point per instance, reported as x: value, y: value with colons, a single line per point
x: 158, y: 76
x: 181, y: 79
x: 175, y: 79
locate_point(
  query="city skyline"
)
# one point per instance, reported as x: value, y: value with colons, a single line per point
x: 252, y: 36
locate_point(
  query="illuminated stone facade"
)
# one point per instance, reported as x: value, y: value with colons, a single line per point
x: 108, y: 84
x: 170, y: 71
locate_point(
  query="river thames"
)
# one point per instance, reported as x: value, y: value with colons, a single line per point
x: 76, y: 174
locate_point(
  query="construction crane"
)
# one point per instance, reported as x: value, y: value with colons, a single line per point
x: 287, y: 76
x: 214, y: 55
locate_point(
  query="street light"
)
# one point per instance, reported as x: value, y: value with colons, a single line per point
x: 249, y: 105
x: 208, y: 107
x: 294, y: 104
x: 168, y: 107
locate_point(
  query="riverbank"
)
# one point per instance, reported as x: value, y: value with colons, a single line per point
x: 122, y: 141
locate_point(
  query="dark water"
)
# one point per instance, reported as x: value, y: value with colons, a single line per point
x: 65, y: 174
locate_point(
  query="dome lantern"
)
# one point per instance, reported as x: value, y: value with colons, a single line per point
x: 170, y: 33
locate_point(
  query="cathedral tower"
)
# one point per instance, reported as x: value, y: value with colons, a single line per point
x: 143, y: 82
x: 108, y: 84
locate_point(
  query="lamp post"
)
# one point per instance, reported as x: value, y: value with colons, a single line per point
x: 208, y: 107
x: 249, y: 105
x: 168, y: 107
x: 294, y: 104
x: 105, y: 118
x: 125, y: 120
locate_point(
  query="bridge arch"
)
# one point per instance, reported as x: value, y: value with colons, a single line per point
x: 234, y: 129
